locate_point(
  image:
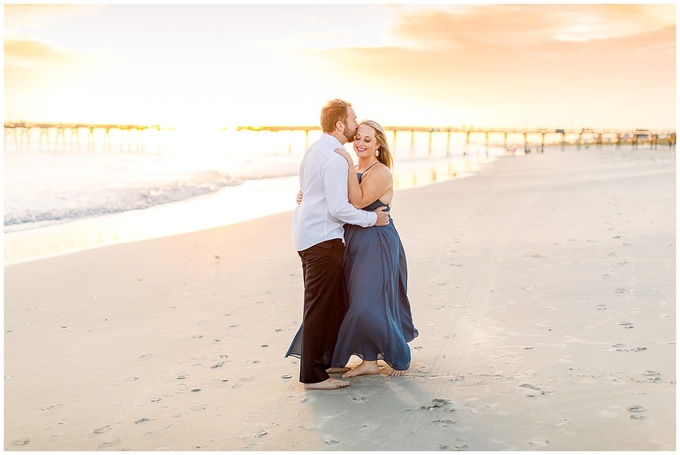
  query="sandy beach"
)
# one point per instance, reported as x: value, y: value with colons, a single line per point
x: 543, y: 289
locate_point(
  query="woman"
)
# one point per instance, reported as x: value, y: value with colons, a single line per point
x: 378, y: 324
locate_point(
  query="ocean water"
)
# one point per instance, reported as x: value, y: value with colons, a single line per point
x: 54, y: 180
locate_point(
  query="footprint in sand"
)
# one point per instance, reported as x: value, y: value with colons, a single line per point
x: 636, y: 412
x: 458, y: 448
x: 369, y: 427
x: 533, y: 390
x: 627, y: 325
x: 308, y: 427
x: 242, y: 381
x: 421, y: 370
x: 436, y: 403
x: 539, y: 442
x: 330, y: 440
x: 108, y: 444
x: 357, y: 398
x: 21, y: 442
x: 622, y: 348
x: 445, y: 422
x: 530, y: 386
x: 101, y: 430
x: 50, y: 410
x: 651, y: 376
x: 601, y: 307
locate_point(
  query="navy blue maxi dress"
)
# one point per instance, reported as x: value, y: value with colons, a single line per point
x: 378, y: 323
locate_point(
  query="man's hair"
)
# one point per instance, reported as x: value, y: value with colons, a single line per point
x: 333, y: 111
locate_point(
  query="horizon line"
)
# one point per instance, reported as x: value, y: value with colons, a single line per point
x: 394, y: 128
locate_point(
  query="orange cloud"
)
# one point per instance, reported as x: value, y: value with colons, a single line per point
x: 516, y: 60
x: 26, y: 51
x: 40, y: 16
x: 528, y: 24
x: 28, y: 59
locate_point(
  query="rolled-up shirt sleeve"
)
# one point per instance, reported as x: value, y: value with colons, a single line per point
x: 335, y: 182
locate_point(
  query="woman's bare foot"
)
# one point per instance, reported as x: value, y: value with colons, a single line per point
x: 398, y: 372
x: 365, y: 367
x: 334, y: 370
x: 328, y: 384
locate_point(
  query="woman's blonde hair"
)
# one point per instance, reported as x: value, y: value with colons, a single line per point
x: 384, y: 154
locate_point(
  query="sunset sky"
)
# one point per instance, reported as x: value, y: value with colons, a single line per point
x: 501, y: 65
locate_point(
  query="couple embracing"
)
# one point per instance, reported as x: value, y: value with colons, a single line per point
x: 353, y: 261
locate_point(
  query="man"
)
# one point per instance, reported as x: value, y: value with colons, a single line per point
x: 318, y: 235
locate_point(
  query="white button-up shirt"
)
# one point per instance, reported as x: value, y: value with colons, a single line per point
x: 325, y: 208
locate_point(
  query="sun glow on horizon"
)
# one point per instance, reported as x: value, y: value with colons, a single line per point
x: 207, y: 66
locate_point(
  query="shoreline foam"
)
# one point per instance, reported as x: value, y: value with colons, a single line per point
x: 251, y: 199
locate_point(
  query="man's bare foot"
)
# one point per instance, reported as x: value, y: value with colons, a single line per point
x: 328, y: 384
x: 334, y: 370
x: 365, y: 367
x: 398, y: 372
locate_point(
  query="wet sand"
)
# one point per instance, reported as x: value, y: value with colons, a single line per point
x: 543, y: 289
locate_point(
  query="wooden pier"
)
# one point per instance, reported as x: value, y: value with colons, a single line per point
x: 615, y: 136
x: 536, y: 137
x: 21, y: 132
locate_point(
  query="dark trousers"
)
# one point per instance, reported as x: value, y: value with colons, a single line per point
x: 324, y: 307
